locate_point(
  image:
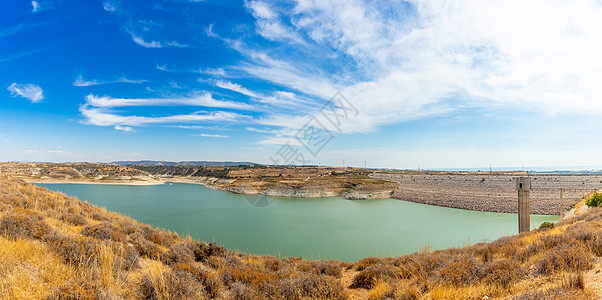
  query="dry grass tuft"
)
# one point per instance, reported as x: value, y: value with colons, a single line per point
x: 20, y: 222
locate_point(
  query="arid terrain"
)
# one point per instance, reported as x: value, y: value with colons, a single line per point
x: 57, y: 247
x: 351, y: 183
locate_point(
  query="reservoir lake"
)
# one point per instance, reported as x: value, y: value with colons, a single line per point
x: 314, y: 228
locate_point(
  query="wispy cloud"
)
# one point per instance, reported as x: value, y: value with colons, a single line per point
x: 268, y: 23
x: 153, y: 44
x: 109, y: 6
x: 35, y: 6
x: 102, y: 117
x: 235, y: 87
x: 209, y: 135
x: 124, y: 128
x: 411, y: 60
x: 205, y: 100
x: 31, y: 92
x: 140, y: 41
x: 100, y: 111
x: 80, y: 81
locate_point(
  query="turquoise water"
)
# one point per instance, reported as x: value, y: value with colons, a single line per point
x: 319, y: 228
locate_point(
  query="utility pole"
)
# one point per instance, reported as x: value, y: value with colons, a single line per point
x: 365, y: 165
x: 523, y: 185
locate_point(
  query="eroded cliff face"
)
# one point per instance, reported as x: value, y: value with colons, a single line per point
x: 297, y: 190
x: 284, y: 181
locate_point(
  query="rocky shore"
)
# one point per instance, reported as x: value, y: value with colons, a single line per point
x: 283, y: 190
x: 491, y: 192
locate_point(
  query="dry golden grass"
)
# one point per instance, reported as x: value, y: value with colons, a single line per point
x: 29, y: 270
x: 56, y: 247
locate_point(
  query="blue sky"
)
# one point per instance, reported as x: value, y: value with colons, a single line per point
x: 429, y: 83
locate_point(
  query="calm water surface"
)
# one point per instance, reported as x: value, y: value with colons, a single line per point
x: 310, y: 227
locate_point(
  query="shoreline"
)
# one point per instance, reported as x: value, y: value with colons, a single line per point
x: 207, y: 182
x: 105, y: 182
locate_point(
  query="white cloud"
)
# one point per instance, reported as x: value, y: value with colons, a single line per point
x: 198, y: 100
x: 29, y: 91
x: 153, y: 44
x: 260, y: 9
x: 210, y: 135
x: 235, y: 87
x: 80, y: 81
x: 140, y: 41
x: 102, y: 117
x: 109, y: 6
x: 403, y: 61
x: 35, y: 6
x: 268, y: 24
x: 124, y: 128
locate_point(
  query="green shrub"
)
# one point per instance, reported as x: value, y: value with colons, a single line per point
x: 546, y: 225
x: 594, y: 200
x: 202, y: 251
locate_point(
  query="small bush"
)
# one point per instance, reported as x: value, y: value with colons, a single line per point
x: 202, y: 251
x: 208, y: 280
x: 502, y: 273
x: 368, y: 277
x: 252, y: 275
x: 99, y: 216
x: 366, y: 262
x: 571, y: 257
x: 546, y: 225
x: 104, y: 231
x: 320, y: 287
x: 74, y: 219
x: 162, y: 238
x: 240, y: 291
x: 460, y: 272
x: 144, y: 247
x: 178, y: 253
x: 594, y: 200
x: 321, y: 267
x: 167, y: 285
x: 23, y: 223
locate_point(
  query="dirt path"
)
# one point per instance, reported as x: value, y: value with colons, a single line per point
x: 593, y: 279
x: 354, y: 294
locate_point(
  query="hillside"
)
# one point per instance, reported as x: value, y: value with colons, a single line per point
x: 188, y: 163
x: 57, y: 247
x: 76, y: 172
x: 286, y: 181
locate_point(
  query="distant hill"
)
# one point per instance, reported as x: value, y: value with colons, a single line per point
x: 184, y: 163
